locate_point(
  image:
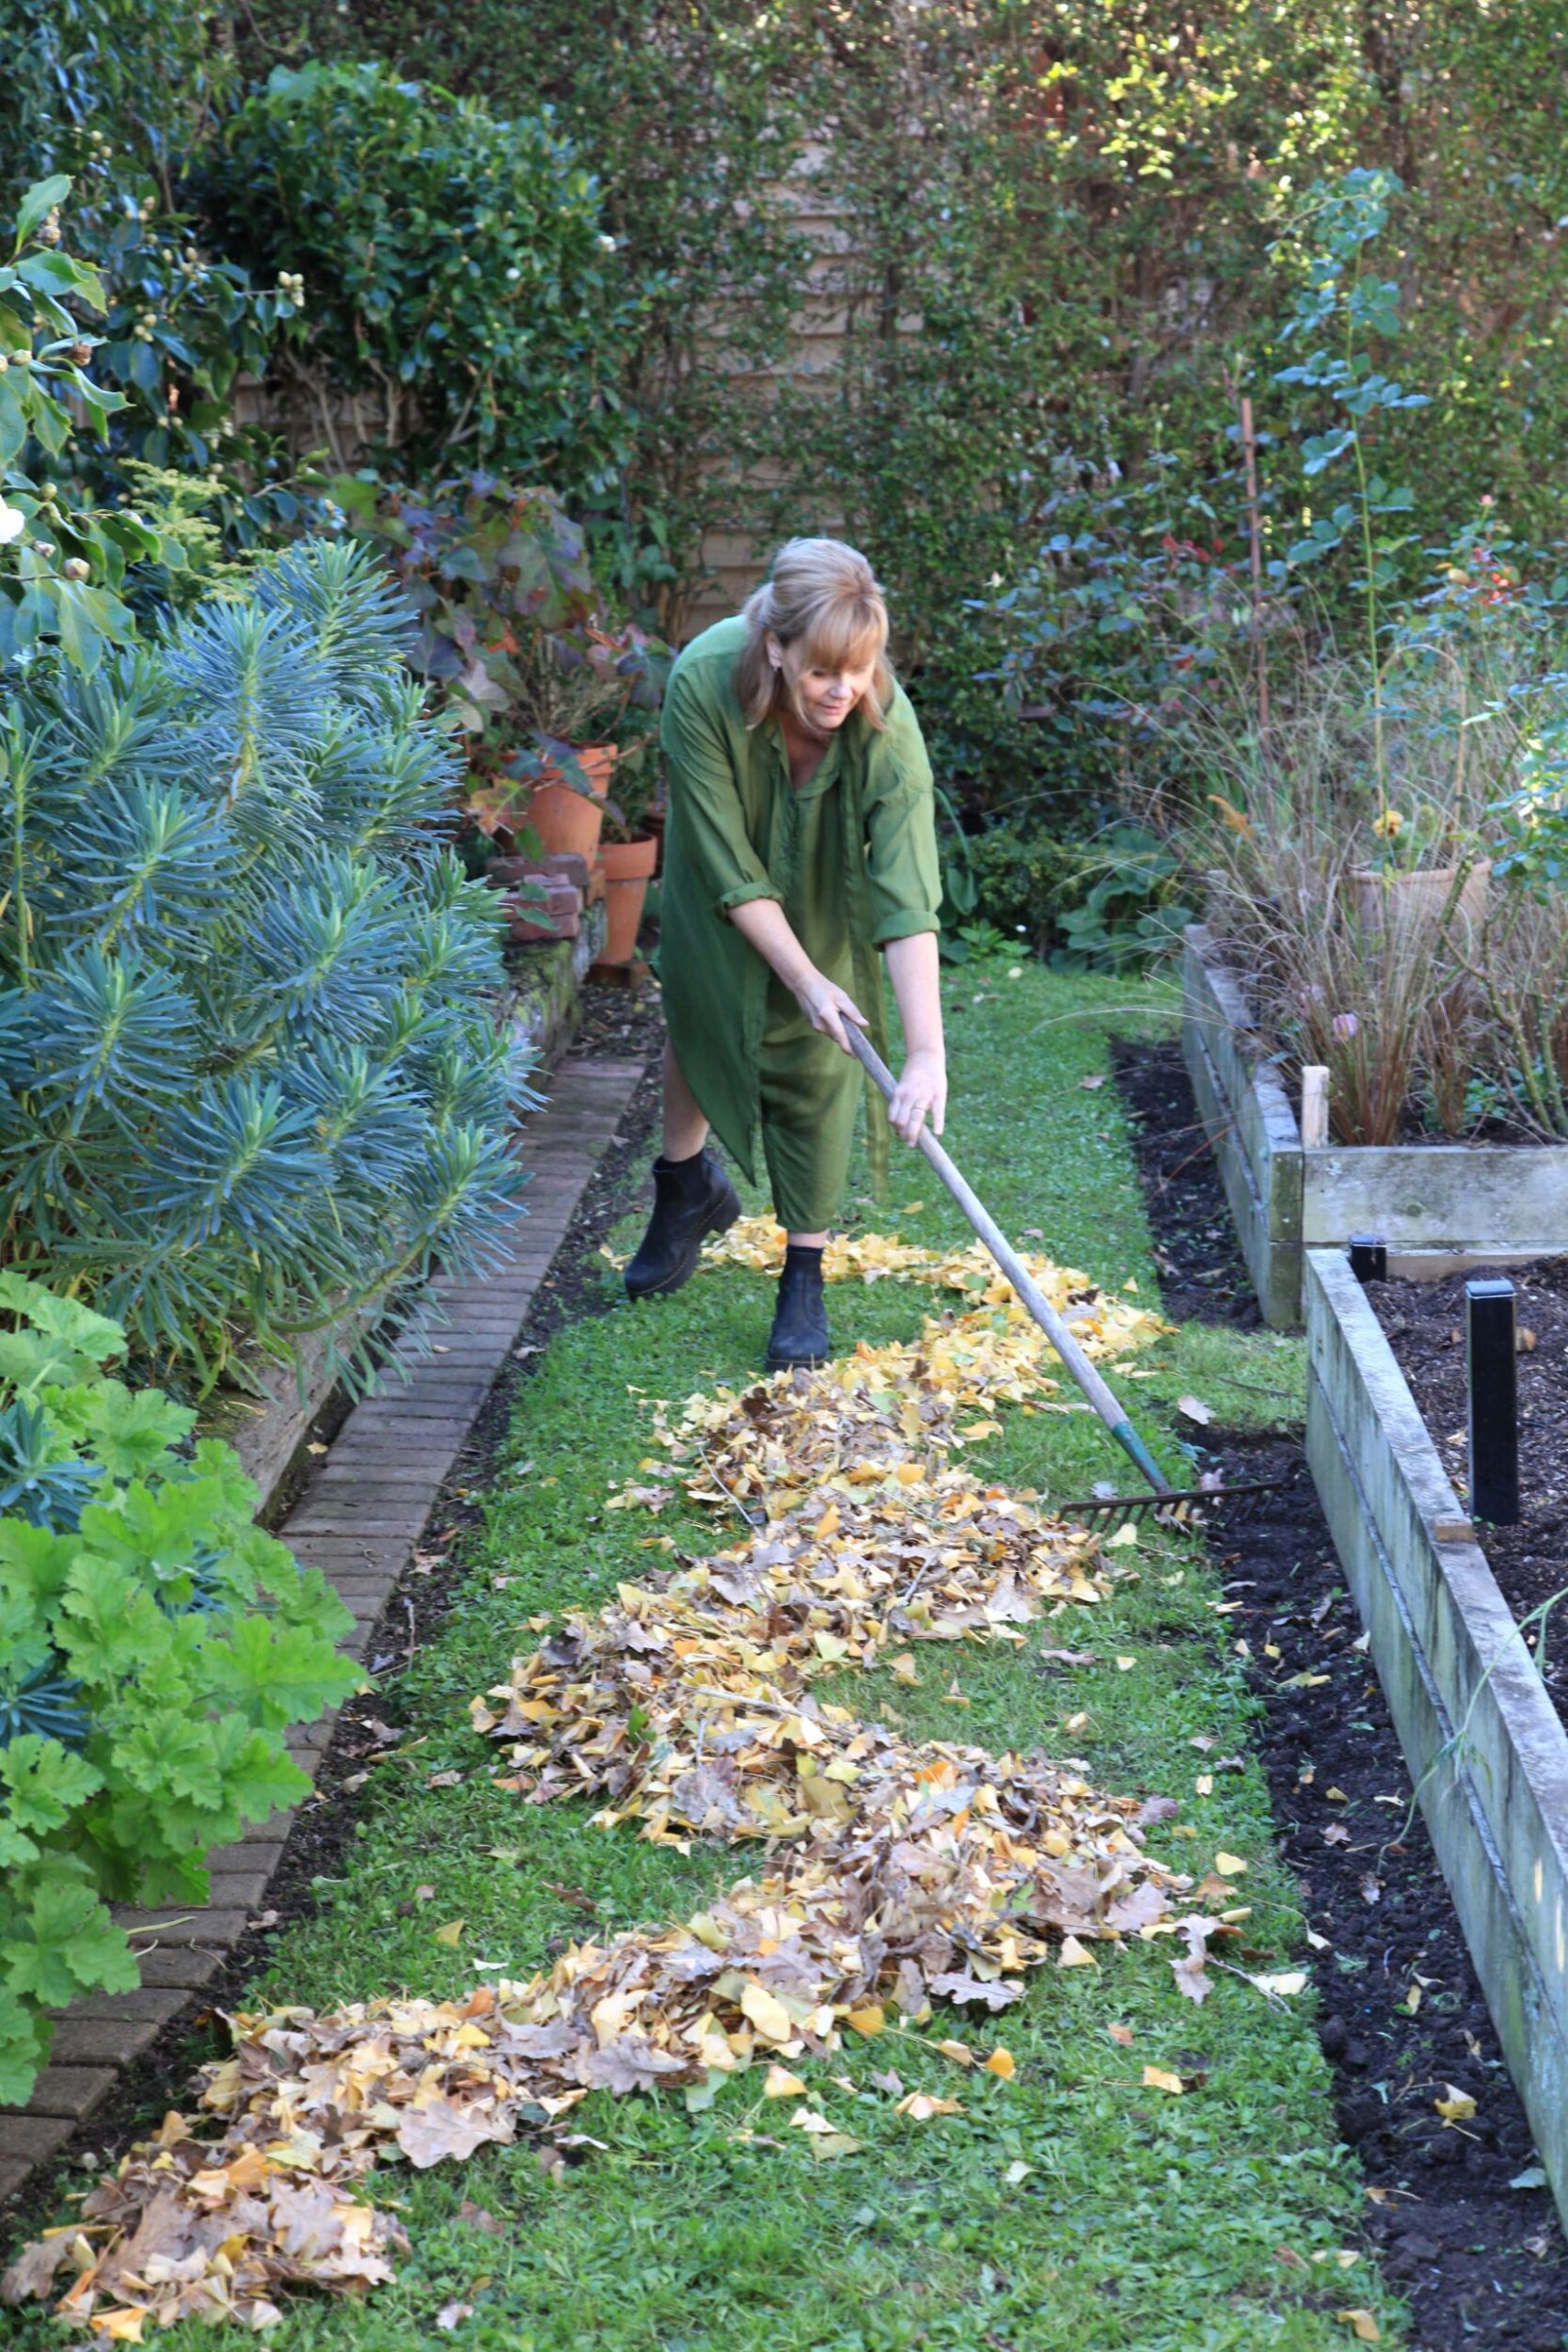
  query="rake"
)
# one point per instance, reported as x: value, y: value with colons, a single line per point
x: 1173, y: 1505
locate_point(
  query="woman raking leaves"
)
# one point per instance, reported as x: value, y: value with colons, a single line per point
x: 801, y: 844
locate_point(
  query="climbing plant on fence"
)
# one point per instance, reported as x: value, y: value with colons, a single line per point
x: 254, y: 1074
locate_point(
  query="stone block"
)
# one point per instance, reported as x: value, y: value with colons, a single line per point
x: 74, y: 2090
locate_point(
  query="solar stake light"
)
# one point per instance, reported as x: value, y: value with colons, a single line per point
x: 1491, y: 1365
x: 1368, y: 1257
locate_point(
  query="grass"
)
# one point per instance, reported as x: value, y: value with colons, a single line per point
x: 1069, y: 2207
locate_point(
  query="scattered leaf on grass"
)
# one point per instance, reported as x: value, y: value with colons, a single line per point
x: 1121, y: 2034
x: 1363, y: 2327
x: 921, y: 2106
x: 1160, y: 2078
x: 1229, y: 1866
x: 451, y: 1933
x: 1000, y: 2063
x: 1075, y: 1955
x: 782, y: 2084
x: 1194, y: 1409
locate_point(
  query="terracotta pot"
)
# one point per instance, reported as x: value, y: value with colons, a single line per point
x: 629, y: 867
x: 569, y: 821
x: 1378, y: 898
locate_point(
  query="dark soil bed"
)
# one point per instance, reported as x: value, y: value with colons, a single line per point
x: 1483, y: 2262
x: 1425, y: 1325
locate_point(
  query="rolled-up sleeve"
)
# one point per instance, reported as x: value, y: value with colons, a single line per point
x: 712, y: 819
x: 903, y: 867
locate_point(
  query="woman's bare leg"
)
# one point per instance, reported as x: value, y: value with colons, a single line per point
x: 684, y: 1128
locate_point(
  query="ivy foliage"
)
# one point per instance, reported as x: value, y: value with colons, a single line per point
x: 253, y: 1074
x: 457, y: 270
x: 154, y: 1646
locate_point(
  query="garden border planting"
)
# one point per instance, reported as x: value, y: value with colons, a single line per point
x: 1433, y: 1205
x: 358, y: 1520
x: 268, y: 1436
x: 1486, y: 1749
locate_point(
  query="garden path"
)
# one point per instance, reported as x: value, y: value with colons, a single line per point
x: 359, y: 1519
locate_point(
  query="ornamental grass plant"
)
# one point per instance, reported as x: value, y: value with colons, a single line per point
x: 254, y: 1075
x: 1395, y: 938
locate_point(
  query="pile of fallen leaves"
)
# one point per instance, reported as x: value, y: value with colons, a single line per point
x: 894, y: 1874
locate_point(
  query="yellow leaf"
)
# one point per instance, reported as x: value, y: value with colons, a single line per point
x: 1362, y: 2326
x: 1126, y: 1534
x: 959, y: 2052
x: 1229, y: 1866
x: 869, y: 2019
x: 828, y: 1524
x: 123, y: 2327
x: 808, y: 2119
x: 1073, y: 1955
x: 1122, y: 2034
x: 451, y: 1933
x: 903, y: 1667
x: 920, y: 2106
x: 782, y: 2084
x: 1295, y: 1980
x: 824, y: 2146
x: 1205, y: 1783
x: 1159, y: 2078
x: 1017, y: 2172
x: 1000, y: 2063
x: 1457, y: 2108
x: 912, y: 1208
x: 1125, y: 1665
x: 767, y: 2013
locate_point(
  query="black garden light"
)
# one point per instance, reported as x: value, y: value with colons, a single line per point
x: 1368, y: 1257
x: 1494, y: 1386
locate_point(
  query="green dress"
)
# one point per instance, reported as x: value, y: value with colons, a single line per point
x: 851, y: 857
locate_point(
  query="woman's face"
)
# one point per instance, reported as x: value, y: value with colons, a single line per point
x: 827, y: 696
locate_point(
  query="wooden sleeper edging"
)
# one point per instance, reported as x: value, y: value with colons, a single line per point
x: 1485, y: 1748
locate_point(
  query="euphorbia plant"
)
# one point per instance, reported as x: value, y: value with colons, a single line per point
x: 154, y: 1646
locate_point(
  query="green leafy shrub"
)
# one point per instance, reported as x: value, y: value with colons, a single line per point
x: 254, y: 1074
x: 62, y: 558
x: 154, y: 1646
x: 1025, y: 880
x: 456, y: 269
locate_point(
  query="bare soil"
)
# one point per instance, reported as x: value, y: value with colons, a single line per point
x: 1425, y: 1326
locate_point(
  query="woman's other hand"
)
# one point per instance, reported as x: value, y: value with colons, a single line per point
x: 828, y: 1007
x: 921, y: 1093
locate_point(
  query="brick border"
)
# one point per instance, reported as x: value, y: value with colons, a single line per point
x: 359, y: 1519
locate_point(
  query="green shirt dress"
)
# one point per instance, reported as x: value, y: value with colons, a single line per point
x: 851, y: 857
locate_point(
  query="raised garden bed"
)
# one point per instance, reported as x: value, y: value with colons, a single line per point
x: 1435, y: 1205
x: 1483, y: 1740
x: 1401, y: 2013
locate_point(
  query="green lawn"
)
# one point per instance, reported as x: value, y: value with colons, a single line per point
x: 1069, y: 2208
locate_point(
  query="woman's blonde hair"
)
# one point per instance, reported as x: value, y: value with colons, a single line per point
x: 824, y: 596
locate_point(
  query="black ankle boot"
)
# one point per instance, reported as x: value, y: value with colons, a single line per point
x: 691, y: 1198
x: 800, y: 1333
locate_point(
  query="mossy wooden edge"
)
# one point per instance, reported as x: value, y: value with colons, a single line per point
x: 1486, y: 1749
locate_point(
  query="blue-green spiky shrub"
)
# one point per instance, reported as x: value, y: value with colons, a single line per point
x: 252, y: 1073
x: 154, y: 1647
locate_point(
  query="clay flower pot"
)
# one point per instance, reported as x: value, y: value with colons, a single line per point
x: 1396, y: 899
x: 565, y: 819
x: 628, y: 868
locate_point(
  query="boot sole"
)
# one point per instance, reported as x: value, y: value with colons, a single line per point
x: 719, y: 1223
x: 795, y: 1363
